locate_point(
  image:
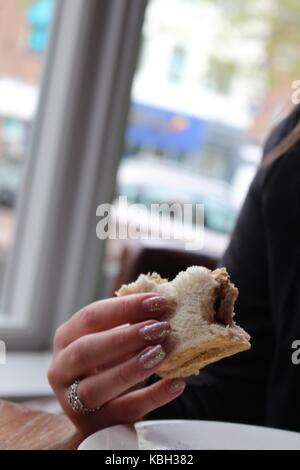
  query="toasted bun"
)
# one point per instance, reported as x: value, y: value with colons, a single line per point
x: 201, y: 318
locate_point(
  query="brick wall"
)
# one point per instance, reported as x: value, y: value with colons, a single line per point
x: 15, y: 57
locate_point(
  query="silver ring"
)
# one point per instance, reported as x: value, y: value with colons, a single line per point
x: 76, y: 404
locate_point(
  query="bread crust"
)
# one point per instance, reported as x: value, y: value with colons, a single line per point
x: 197, y: 357
x: 201, y: 318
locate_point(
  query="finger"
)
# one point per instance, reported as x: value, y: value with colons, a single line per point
x: 130, y: 407
x: 110, y: 313
x: 99, y: 350
x: 135, y: 405
x: 97, y: 390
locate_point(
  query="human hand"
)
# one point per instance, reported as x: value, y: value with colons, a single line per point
x: 111, y: 361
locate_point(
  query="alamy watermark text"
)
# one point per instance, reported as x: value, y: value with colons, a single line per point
x: 122, y: 221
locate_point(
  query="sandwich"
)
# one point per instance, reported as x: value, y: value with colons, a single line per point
x: 201, y: 317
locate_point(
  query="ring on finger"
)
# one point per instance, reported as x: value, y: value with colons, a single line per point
x: 75, y: 402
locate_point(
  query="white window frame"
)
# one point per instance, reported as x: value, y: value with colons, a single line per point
x: 55, y: 265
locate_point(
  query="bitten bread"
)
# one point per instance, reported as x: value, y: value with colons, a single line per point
x: 201, y: 318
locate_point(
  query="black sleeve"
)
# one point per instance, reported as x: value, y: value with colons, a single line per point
x: 235, y: 388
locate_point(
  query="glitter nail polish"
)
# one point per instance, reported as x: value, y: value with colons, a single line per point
x: 152, y: 356
x: 158, y: 330
x: 155, y: 304
x: 176, y: 386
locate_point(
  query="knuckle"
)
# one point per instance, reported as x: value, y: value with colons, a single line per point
x: 76, y: 353
x: 154, y: 399
x: 86, y: 394
x: 123, y: 376
x: 87, y: 317
x: 52, y: 374
x: 126, y: 305
x: 58, y: 340
x: 119, y: 338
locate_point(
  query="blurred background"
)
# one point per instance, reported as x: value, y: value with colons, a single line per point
x: 212, y: 78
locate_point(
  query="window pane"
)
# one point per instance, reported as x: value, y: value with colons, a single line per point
x: 24, y: 27
x: 177, y: 63
x: 214, y: 79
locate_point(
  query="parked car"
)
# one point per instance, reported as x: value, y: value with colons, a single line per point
x: 147, y: 181
x: 10, y: 180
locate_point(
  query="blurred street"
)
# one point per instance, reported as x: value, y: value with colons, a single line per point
x: 201, y: 106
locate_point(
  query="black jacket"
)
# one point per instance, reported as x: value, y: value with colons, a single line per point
x: 260, y: 386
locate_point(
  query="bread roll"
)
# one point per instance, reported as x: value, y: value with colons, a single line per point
x: 201, y: 318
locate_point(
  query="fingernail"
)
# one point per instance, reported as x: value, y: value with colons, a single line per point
x: 176, y: 386
x: 155, y: 304
x: 150, y: 357
x: 155, y: 331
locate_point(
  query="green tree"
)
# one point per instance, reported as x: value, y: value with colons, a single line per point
x: 275, y: 24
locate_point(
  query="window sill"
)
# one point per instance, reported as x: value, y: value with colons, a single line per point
x: 25, y: 376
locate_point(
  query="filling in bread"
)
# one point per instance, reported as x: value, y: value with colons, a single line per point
x: 226, y: 295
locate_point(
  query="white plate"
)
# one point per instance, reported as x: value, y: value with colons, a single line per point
x: 188, y: 435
